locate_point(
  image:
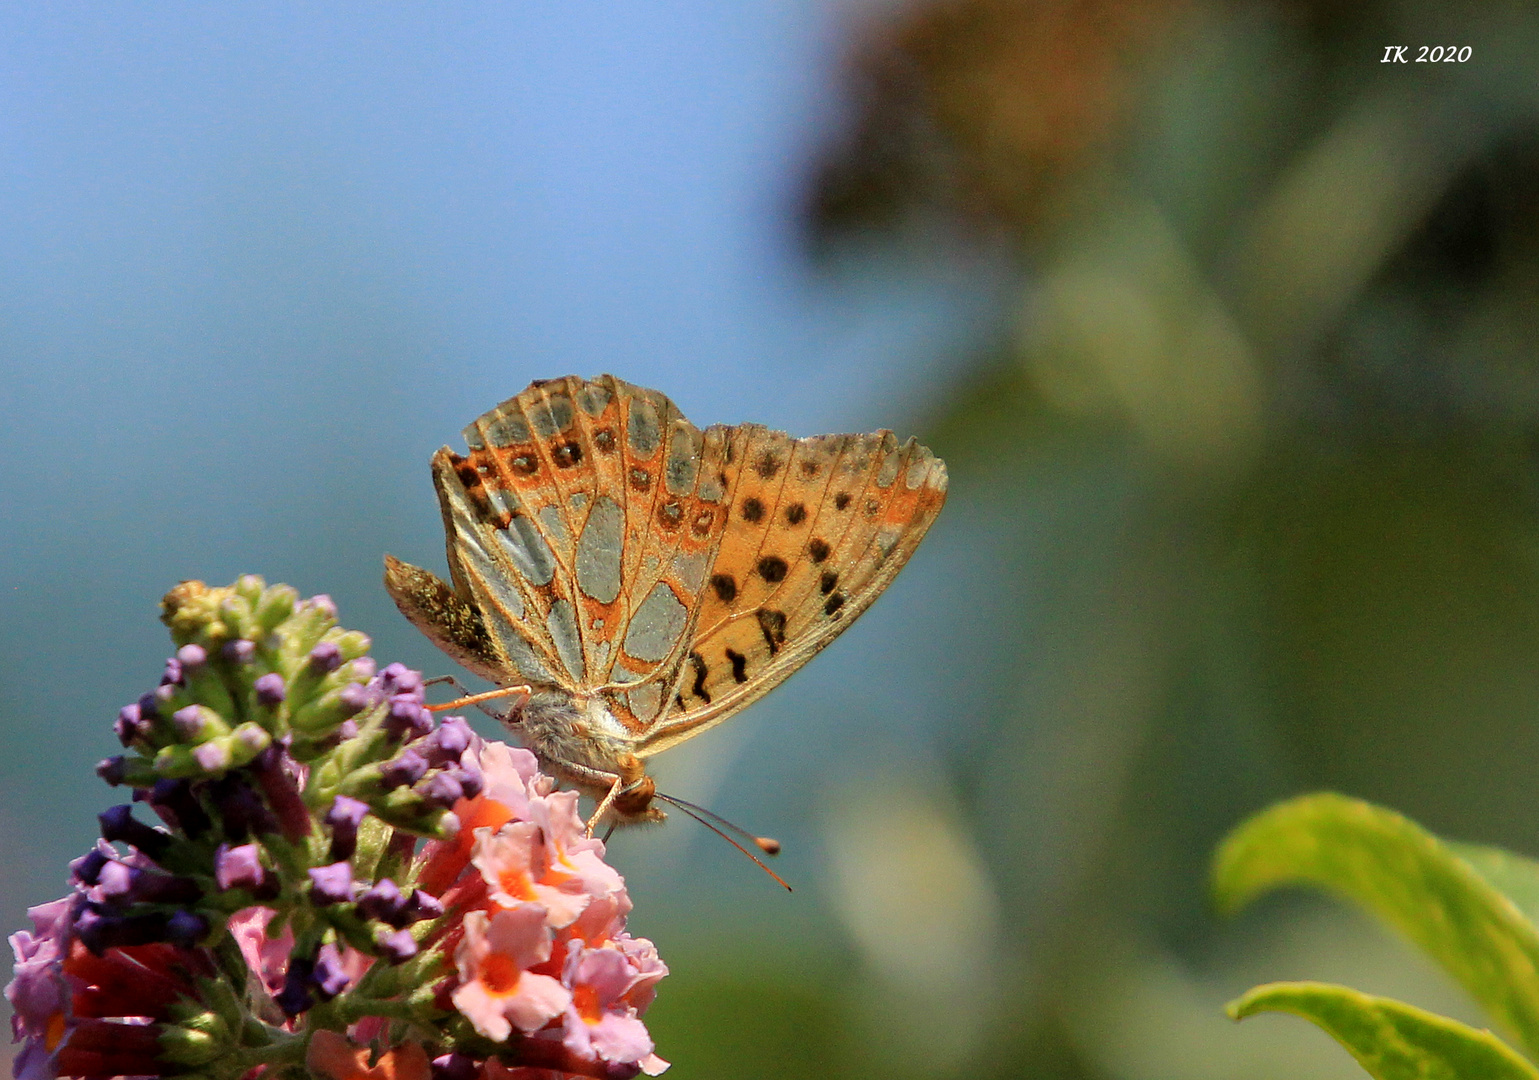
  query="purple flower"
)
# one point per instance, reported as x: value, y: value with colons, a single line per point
x: 238, y: 651
x: 270, y: 689
x: 400, y: 679
x: 344, y: 817
x: 325, y: 658
x: 195, y: 722
x: 407, y: 718
x: 405, y: 768
x: 239, y: 867
x: 442, y: 789
x: 191, y: 657
x: 449, y: 742
x: 322, y: 603
x: 112, y: 770
x: 119, y: 826
x: 331, y: 884
x: 297, y: 992
x: 383, y: 901
x: 131, y: 724
x: 355, y: 697
x: 423, y: 905
x: 329, y: 976
x: 186, y: 929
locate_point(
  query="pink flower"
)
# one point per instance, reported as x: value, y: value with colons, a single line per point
x: 513, y: 862
x: 268, y: 958
x: 497, y: 990
x: 544, y: 945
x: 601, y: 1022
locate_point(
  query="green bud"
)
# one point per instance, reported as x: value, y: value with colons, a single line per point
x: 249, y: 587
x: 185, y: 1046
x: 274, y: 606
x: 319, y: 715
x: 195, y: 724
x: 353, y: 643
x: 247, y: 741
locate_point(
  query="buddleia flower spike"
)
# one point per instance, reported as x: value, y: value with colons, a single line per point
x: 338, y: 886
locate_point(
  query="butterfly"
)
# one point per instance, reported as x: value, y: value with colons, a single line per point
x: 645, y: 579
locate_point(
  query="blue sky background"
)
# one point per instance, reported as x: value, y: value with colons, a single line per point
x: 258, y: 261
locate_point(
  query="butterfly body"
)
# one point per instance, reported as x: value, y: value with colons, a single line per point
x: 648, y: 579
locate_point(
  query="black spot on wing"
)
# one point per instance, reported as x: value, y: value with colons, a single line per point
x: 698, y: 662
x: 796, y: 513
x: 818, y: 549
x: 827, y: 582
x: 772, y: 568
x: 767, y: 465
x: 773, y: 625
x: 753, y: 509
x: 832, y: 605
x: 725, y: 586
x: 739, y: 664
x: 842, y: 500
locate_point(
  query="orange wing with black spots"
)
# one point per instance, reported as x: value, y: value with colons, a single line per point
x: 818, y: 528
x: 600, y: 543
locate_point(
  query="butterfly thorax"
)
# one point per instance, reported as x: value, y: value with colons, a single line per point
x: 578, y: 739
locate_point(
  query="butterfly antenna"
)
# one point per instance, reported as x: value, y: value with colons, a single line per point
x: 723, y: 828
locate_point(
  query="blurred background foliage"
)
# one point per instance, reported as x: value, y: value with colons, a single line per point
x: 1224, y: 327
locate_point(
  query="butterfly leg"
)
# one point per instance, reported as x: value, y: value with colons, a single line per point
x: 604, y: 805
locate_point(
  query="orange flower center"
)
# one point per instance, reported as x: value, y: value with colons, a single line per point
x: 517, y: 884
x: 53, y: 1034
x: 499, y: 974
x: 586, y: 1001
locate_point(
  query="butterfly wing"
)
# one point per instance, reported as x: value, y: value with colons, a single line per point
x: 817, y: 529
x: 581, y: 523
x: 600, y: 542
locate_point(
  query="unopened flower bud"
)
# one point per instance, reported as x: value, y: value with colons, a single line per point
x: 397, y: 946
x: 325, y: 658
x: 191, y: 657
x: 270, y: 690
x: 331, y: 884
x: 405, y: 768
x: 119, y: 826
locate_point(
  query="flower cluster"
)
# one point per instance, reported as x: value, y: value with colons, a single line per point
x: 286, y: 915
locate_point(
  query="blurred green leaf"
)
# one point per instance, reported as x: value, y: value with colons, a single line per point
x: 1390, y: 1039
x: 1514, y: 876
x: 1405, y: 876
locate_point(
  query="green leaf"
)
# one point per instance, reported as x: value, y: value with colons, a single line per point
x: 1514, y: 876
x: 1405, y: 876
x: 1390, y: 1039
